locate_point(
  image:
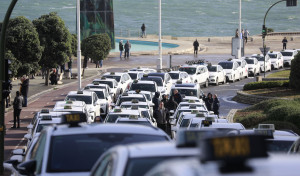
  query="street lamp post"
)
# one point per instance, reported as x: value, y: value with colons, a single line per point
x: 78, y: 45
x: 240, y: 31
x: 159, y: 60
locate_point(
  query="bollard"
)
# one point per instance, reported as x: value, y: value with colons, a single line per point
x: 258, y: 78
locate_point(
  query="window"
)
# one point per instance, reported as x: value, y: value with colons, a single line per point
x: 189, y: 70
x: 105, y: 166
x: 86, y: 99
x: 38, y: 152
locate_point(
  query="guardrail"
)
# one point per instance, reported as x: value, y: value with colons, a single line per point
x: 282, y: 33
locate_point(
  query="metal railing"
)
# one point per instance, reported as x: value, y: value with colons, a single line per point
x: 128, y: 33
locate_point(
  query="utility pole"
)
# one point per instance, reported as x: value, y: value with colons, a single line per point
x: 2, y: 81
x: 265, y: 30
x: 240, y: 31
x: 159, y: 60
x: 78, y: 45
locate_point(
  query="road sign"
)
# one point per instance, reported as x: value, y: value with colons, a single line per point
x: 264, y: 50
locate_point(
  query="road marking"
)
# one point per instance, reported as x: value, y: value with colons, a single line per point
x: 228, y: 99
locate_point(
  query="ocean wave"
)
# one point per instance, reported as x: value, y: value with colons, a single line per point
x: 68, y: 7
x: 291, y: 17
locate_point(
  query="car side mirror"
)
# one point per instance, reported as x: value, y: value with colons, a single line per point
x: 27, y: 168
x: 18, y: 151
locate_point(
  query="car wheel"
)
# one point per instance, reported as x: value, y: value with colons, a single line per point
x: 217, y: 81
x: 206, y: 83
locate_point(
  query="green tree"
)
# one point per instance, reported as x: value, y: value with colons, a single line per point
x: 295, y: 73
x: 74, y: 45
x: 96, y: 47
x: 23, y: 46
x: 15, y: 63
x: 56, y: 40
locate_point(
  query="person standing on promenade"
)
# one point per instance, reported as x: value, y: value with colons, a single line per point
x: 127, y: 49
x: 209, y: 101
x: 143, y: 31
x: 216, y: 104
x: 242, y: 34
x: 246, y: 34
x: 284, y: 42
x: 24, y: 89
x: 237, y: 33
x: 196, y: 45
x: 121, y: 48
x: 17, y: 104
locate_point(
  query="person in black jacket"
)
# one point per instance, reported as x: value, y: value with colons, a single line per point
x: 216, y: 105
x: 177, y: 96
x: 143, y: 28
x: 127, y: 49
x: 53, y: 77
x: 24, y: 89
x: 196, y: 45
x: 209, y: 101
x: 161, y: 117
x: 17, y: 104
x: 155, y: 100
x: 171, y: 104
x: 121, y: 48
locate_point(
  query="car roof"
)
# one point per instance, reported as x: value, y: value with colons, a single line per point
x: 110, y: 128
x: 84, y: 93
x: 185, y: 85
x: 53, y: 121
x: 288, y: 51
x: 141, y: 92
x: 126, y: 119
x: 96, y: 85
x: 132, y: 95
x: 192, y: 66
x: 106, y: 79
x: 69, y: 109
x: 74, y: 103
x: 130, y: 103
x: 227, y: 61
x: 237, y: 126
x: 157, y: 73
x: 274, y: 52
x: 143, y: 82
x: 115, y: 73
x: 126, y: 112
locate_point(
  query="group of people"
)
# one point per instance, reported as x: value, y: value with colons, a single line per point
x: 162, y: 108
x: 125, y: 47
x: 244, y: 34
x: 212, y: 103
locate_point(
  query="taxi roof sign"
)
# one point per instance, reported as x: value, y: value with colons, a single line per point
x: 134, y: 107
x: 191, y: 101
x: 45, y: 111
x: 265, y: 132
x: 117, y: 110
x: 137, y: 91
x: 133, y: 117
x: 200, y: 115
x: 145, y: 75
x: 233, y: 149
x: 103, y: 78
x: 79, y: 92
x: 47, y: 117
x: 67, y: 107
x: 112, y: 73
x: 69, y: 102
x: 194, y: 111
x: 125, y: 94
x: 266, y: 126
x: 135, y: 81
x: 179, y: 82
x: 206, y: 123
x: 96, y: 83
x: 74, y: 119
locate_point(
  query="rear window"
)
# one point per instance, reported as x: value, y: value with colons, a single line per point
x: 123, y: 99
x: 174, y: 75
x: 133, y: 75
x: 109, y: 83
x: 100, y: 94
x: 273, y: 56
x: 83, y: 150
x: 158, y: 80
x: 212, y: 69
x: 279, y: 146
x: 186, y: 92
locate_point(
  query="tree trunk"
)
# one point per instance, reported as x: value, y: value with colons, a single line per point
x: 47, y: 77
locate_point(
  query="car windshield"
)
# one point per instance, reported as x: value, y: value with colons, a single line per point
x: 259, y: 58
x: 239, y: 62
x: 185, y: 123
x: 249, y: 61
x: 158, y: 80
x: 144, y: 87
x: 133, y: 75
x: 140, y: 106
x: 174, y: 75
x: 40, y: 127
x: 140, y: 166
x: 279, y: 146
x: 78, y: 153
x: 117, y: 78
x: 158, y: 75
x: 226, y: 65
x: 100, y: 94
x: 109, y: 83
x: 189, y: 70
x: 273, y: 56
x: 186, y: 92
x: 86, y: 99
x: 287, y: 53
x: 212, y: 69
x: 123, y: 99
x: 148, y: 96
x: 145, y: 123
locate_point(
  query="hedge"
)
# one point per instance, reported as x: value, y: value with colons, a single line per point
x: 265, y: 84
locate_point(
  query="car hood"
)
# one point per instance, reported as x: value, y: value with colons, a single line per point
x: 213, y: 73
x: 228, y: 70
x: 287, y: 57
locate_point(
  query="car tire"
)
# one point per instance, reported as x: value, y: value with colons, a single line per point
x: 206, y: 83
x: 217, y: 81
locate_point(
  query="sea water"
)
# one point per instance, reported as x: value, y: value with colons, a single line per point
x: 185, y: 18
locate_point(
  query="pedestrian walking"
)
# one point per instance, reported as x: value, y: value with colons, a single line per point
x: 53, y: 77
x: 216, y: 104
x: 284, y: 42
x: 242, y: 34
x: 101, y: 63
x: 246, y: 34
x: 143, y: 31
x: 70, y: 66
x: 160, y: 116
x: 97, y: 64
x: 127, y: 49
x: 155, y: 101
x: 209, y: 101
x: 62, y: 68
x: 24, y: 89
x: 177, y: 96
x: 17, y: 104
x: 196, y: 46
x: 164, y: 99
x: 121, y: 48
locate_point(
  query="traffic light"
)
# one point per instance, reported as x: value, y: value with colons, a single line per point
x: 264, y: 31
x: 290, y: 3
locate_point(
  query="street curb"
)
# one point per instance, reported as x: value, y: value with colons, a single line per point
x: 34, y: 97
x: 231, y: 115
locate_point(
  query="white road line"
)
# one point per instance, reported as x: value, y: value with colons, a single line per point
x: 229, y: 101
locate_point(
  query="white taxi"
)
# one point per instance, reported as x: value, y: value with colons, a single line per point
x: 123, y: 79
x: 243, y: 67
x: 232, y: 70
x: 167, y: 81
x: 104, y: 99
x: 276, y: 59
x: 116, y: 113
x: 113, y: 85
x: 265, y: 63
x: 216, y: 74
x: 144, y: 86
x: 198, y: 73
x: 180, y: 75
x: 253, y: 66
x: 288, y: 56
